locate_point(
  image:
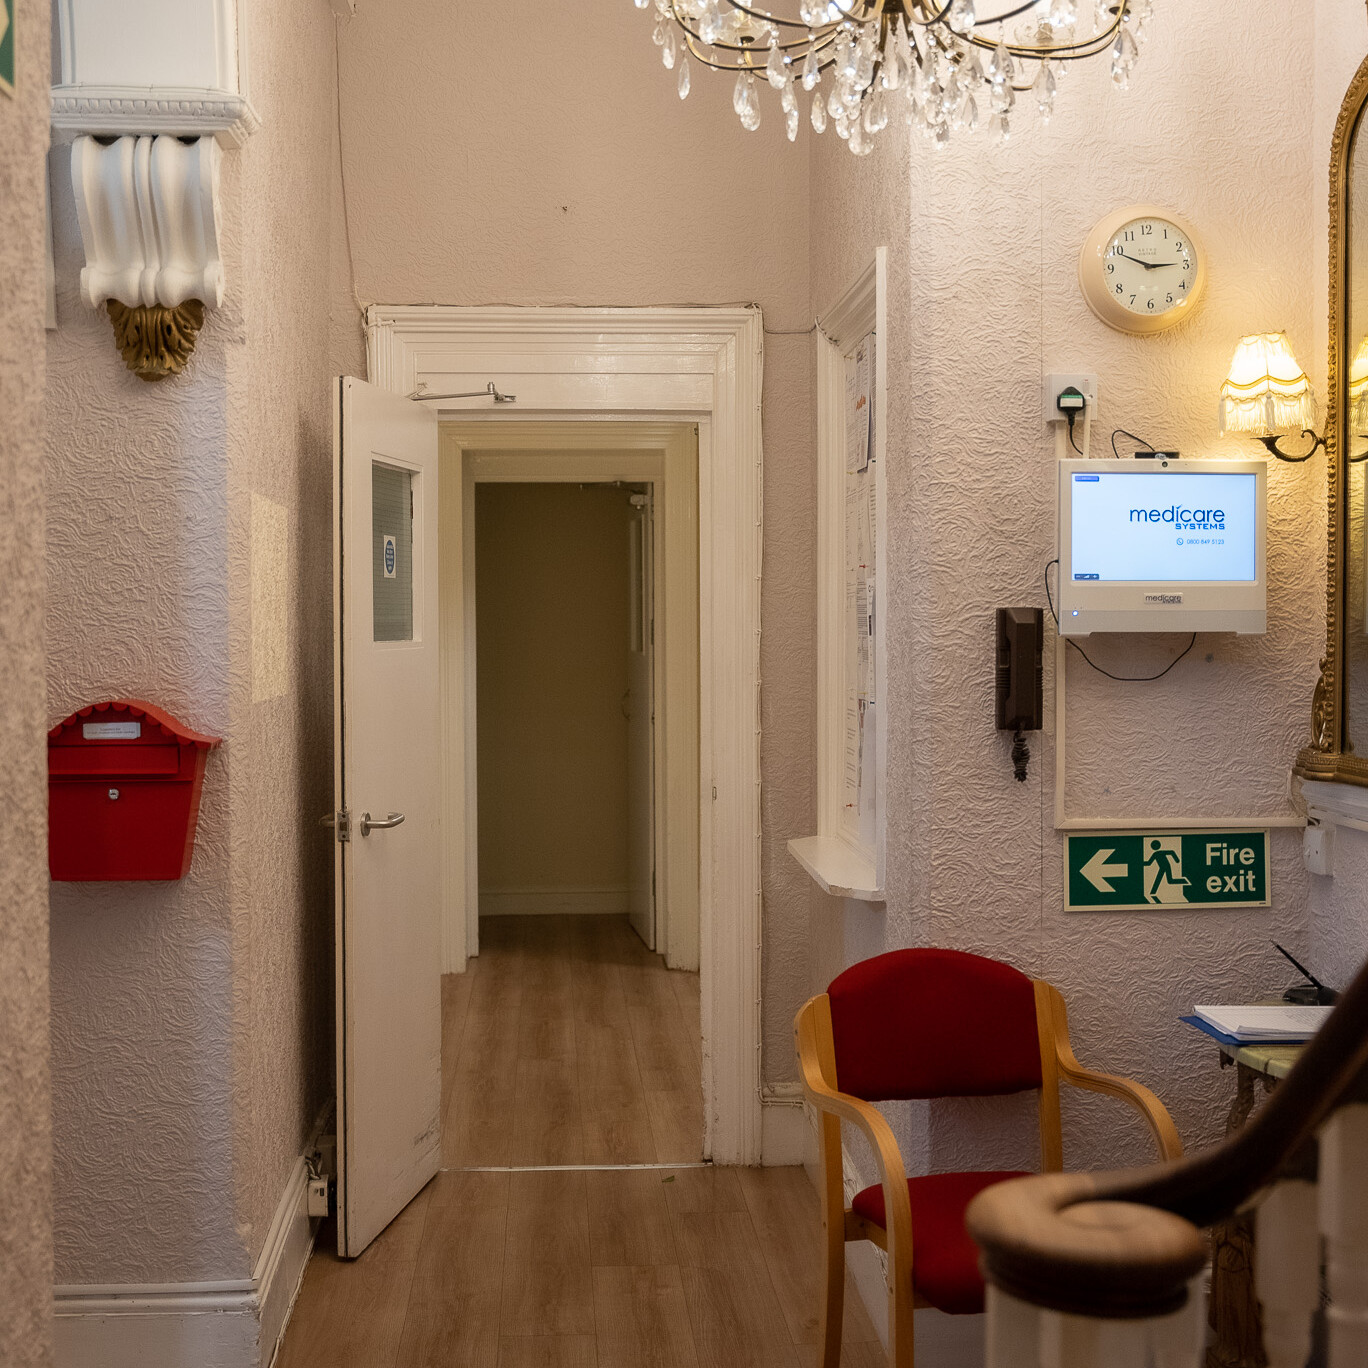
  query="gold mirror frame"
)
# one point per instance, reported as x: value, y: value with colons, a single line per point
x: 1326, y: 758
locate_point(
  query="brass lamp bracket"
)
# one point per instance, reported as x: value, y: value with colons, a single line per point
x: 1271, y: 443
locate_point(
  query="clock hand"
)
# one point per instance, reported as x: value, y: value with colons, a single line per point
x: 1148, y: 265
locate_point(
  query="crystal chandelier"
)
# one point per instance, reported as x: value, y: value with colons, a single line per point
x: 937, y: 64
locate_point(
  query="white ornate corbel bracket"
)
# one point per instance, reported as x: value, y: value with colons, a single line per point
x: 148, y: 210
x: 156, y: 89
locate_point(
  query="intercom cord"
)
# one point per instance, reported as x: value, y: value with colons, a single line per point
x: 1121, y: 432
x: 1120, y: 679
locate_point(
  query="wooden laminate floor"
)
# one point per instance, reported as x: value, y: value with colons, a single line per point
x: 566, y: 1042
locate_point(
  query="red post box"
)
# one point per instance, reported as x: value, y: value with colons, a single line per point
x: 124, y: 781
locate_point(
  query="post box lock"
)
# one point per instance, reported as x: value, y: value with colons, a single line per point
x: 124, y: 784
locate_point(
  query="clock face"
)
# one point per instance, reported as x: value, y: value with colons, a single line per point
x: 1150, y: 266
x: 1141, y: 269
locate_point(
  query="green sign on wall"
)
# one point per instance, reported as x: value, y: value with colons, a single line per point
x: 7, y: 46
x: 1128, y: 871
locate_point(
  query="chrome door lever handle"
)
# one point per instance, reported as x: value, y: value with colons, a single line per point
x: 368, y: 824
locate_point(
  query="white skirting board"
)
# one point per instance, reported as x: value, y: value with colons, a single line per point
x: 550, y: 902
x: 784, y: 1128
x: 234, y: 1324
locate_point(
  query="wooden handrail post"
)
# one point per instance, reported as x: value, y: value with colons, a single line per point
x: 1287, y: 1271
x: 1344, y: 1223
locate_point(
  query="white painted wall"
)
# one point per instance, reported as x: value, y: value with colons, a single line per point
x: 551, y: 601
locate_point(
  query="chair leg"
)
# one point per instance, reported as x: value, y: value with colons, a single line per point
x: 833, y: 1241
x: 900, y: 1336
x: 833, y: 1293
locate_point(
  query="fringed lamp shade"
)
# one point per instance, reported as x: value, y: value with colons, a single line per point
x: 1358, y: 390
x: 1266, y: 390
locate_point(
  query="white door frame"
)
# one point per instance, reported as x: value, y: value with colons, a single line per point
x: 662, y: 455
x: 702, y: 365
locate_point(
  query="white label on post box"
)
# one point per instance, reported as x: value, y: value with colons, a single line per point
x: 111, y: 731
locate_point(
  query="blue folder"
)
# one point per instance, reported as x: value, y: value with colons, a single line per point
x: 1234, y: 1042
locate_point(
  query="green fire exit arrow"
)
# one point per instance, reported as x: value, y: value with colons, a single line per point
x: 1126, y: 871
x: 7, y: 46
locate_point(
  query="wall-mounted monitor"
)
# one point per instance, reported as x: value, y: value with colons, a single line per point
x: 1162, y: 546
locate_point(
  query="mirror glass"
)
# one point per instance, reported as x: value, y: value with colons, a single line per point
x: 1353, y: 404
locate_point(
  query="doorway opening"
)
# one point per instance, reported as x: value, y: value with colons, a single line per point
x: 578, y: 373
x: 570, y: 616
x: 565, y: 716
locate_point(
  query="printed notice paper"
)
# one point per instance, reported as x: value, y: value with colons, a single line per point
x: 859, y: 405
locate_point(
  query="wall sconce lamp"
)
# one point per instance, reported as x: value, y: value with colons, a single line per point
x: 1267, y: 394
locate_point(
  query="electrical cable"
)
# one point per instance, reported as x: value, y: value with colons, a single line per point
x: 1121, y: 432
x: 1072, y: 441
x: 1120, y: 679
x: 342, y: 172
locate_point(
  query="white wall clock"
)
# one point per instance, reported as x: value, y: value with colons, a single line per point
x: 1142, y: 269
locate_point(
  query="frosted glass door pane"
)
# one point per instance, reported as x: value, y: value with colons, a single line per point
x: 392, y: 551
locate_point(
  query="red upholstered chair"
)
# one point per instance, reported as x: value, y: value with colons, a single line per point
x: 922, y: 1024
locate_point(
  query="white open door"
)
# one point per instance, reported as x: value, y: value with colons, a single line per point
x: 639, y: 706
x: 388, y: 801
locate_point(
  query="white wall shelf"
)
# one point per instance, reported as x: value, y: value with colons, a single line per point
x: 148, y: 67
x: 838, y: 867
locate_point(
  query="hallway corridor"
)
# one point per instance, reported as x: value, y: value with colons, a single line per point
x: 567, y: 1042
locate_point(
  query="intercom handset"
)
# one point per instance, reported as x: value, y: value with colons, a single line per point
x: 1020, y: 678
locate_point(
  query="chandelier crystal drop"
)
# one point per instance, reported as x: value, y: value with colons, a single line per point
x: 946, y: 66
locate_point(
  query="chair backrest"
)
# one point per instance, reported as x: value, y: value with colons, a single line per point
x: 934, y: 1023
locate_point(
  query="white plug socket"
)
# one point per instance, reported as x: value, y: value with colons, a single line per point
x: 1055, y: 385
x: 318, y: 1196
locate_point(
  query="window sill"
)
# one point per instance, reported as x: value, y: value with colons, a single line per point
x: 840, y: 869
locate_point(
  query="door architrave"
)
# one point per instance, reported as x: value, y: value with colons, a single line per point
x: 702, y: 365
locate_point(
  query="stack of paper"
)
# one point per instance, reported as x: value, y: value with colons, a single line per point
x: 1265, y: 1023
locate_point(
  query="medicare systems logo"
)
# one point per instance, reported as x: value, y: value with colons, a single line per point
x: 1183, y: 519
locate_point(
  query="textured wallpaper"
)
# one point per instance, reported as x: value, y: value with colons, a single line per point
x: 141, y: 992
x: 191, y: 1026
x: 984, y: 244
x: 280, y: 450
x: 25, y: 1133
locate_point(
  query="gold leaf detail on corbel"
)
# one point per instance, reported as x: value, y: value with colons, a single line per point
x: 156, y: 341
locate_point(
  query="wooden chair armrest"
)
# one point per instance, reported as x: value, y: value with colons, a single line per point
x: 1055, y: 1022
x: 1131, y: 1092
x: 867, y: 1118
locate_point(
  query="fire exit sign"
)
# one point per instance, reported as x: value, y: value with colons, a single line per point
x: 1129, y: 871
x: 7, y: 46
